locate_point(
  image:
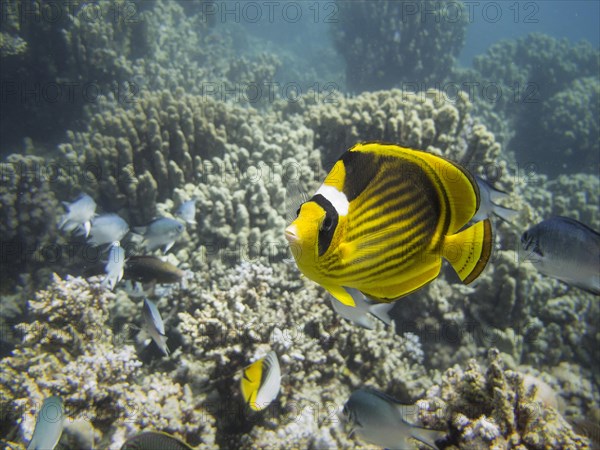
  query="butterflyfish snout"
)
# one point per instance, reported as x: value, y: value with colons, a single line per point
x: 291, y: 234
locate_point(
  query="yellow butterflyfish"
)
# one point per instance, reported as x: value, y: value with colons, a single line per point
x: 261, y: 381
x: 382, y: 221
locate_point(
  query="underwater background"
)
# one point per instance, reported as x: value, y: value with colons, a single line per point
x: 143, y: 105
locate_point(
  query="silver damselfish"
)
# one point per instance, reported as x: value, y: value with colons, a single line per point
x: 565, y: 249
x: 379, y: 419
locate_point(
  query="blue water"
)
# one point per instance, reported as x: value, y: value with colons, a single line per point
x: 493, y: 21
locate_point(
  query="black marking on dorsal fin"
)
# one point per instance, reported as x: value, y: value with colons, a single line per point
x: 360, y: 169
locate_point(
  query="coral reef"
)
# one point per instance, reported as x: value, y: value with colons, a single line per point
x: 319, y: 354
x: 495, y: 409
x: 547, y: 85
x: 11, y: 44
x: 48, y: 94
x: 571, y: 121
x: 171, y: 147
x: 179, y: 139
x: 428, y: 120
x: 27, y: 216
x: 174, y: 147
x: 70, y: 350
x: 387, y: 43
x: 72, y: 54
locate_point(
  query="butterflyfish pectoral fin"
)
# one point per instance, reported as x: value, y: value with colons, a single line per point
x: 469, y: 250
x: 341, y: 294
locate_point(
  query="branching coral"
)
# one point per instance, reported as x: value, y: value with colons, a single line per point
x: 70, y: 350
x: 495, y: 409
x: 27, y: 216
x: 254, y: 310
x: 428, y: 121
x: 385, y: 43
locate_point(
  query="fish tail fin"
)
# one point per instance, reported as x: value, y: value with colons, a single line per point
x: 506, y: 214
x: 469, y: 250
x: 63, y: 221
x: 427, y: 436
x: 140, y: 230
x: 382, y: 311
x: 163, y: 345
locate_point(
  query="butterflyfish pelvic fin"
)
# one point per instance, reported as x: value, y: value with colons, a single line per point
x: 469, y: 250
x: 341, y: 294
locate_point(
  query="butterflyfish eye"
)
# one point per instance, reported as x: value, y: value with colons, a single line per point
x: 327, y: 223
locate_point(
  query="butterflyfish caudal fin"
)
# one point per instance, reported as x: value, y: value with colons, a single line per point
x: 261, y: 381
x: 469, y: 250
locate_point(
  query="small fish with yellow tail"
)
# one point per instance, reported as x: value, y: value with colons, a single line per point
x: 382, y: 221
x: 261, y: 381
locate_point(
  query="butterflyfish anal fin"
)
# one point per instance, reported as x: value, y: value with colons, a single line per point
x: 469, y: 250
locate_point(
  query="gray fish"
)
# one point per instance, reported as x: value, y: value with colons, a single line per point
x: 49, y: 425
x: 488, y: 196
x: 154, y: 325
x: 565, y: 249
x: 79, y: 215
x: 107, y: 229
x: 379, y: 419
x: 114, y: 266
x: 163, y: 231
x: 154, y: 440
x: 187, y: 211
